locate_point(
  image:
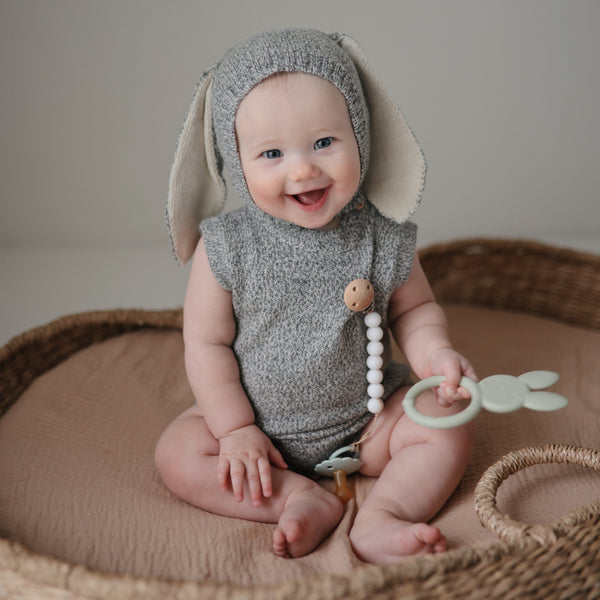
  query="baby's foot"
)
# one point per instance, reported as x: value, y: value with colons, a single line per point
x: 308, y: 517
x: 387, y: 539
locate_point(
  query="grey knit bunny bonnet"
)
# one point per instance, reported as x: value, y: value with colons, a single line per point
x: 392, y: 164
x: 249, y: 63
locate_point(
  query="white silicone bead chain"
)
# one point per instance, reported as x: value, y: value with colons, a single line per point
x: 374, y: 362
x: 359, y: 296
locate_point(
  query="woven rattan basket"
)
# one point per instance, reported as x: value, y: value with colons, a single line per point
x: 561, y: 560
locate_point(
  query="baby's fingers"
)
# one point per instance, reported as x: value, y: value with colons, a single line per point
x: 448, y: 395
x: 223, y: 473
x: 232, y: 470
x: 255, y: 476
x: 237, y: 472
x: 264, y: 467
x: 276, y: 458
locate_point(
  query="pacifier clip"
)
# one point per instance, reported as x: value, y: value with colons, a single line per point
x: 359, y: 296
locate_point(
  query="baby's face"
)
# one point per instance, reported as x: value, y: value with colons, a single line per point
x: 297, y: 148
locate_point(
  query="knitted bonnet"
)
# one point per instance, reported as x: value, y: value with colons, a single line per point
x: 392, y: 164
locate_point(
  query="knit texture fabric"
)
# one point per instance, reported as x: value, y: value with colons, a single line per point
x: 292, y: 50
x: 301, y: 351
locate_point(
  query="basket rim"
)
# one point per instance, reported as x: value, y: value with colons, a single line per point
x: 517, y: 275
x: 476, y: 245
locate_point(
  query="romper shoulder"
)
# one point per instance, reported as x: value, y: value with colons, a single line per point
x: 405, y: 231
x: 223, y: 237
x: 395, y: 245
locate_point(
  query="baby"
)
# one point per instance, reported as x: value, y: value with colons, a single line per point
x: 276, y: 361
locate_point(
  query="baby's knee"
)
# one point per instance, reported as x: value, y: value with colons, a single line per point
x: 457, y: 440
x: 168, y: 459
x: 179, y: 452
x: 176, y: 469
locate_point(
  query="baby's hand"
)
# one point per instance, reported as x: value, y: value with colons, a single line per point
x: 451, y: 364
x: 247, y: 454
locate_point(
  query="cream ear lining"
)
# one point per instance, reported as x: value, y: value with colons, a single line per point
x: 196, y: 186
x: 213, y: 161
x: 396, y: 176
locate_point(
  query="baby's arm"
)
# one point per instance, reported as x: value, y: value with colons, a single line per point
x: 419, y: 326
x: 245, y: 452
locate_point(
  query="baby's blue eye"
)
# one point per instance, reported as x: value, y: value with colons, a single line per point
x: 323, y: 143
x: 272, y: 154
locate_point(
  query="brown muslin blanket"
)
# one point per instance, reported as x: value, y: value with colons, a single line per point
x: 77, y: 480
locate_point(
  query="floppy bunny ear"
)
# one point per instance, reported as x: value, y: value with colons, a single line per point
x: 196, y: 186
x: 396, y: 175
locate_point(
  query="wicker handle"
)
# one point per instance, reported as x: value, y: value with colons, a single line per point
x: 509, y: 530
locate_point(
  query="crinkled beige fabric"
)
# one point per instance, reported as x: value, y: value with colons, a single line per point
x: 77, y: 479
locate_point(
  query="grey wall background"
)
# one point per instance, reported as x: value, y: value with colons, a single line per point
x: 503, y: 96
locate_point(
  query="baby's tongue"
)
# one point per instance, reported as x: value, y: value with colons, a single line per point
x: 309, y: 198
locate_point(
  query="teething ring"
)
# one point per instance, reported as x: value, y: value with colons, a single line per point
x: 456, y: 420
x: 510, y: 530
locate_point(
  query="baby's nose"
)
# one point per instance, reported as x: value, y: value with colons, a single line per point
x: 303, y: 169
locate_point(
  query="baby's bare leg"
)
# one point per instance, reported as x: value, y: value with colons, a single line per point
x: 423, y: 468
x: 186, y: 457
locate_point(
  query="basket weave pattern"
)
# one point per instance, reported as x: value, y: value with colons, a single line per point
x: 517, y: 275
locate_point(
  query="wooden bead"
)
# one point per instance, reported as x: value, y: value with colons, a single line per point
x: 359, y: 295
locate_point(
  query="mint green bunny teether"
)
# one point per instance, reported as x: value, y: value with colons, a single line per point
x: 497, y: 393
x: 461, y: 418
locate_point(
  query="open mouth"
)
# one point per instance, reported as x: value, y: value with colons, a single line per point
x: 311, y: 200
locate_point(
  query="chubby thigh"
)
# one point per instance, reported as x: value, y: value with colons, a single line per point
x: 392, y: 430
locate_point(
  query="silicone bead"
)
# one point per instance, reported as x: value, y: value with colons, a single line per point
x: 375, y: 390
x: 372, y: 319
x: 374, y: 362
x: 374, y: 334
x: 375, y: 348
x: 374, y: 376
x: 375, y: 405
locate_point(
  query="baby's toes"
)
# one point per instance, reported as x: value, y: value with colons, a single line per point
x: 280, y: 547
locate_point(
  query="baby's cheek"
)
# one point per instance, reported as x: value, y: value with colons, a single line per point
x: 262, y: 188
x: 350, y: 174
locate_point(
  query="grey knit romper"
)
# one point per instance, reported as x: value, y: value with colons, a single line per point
x: 301, y: 351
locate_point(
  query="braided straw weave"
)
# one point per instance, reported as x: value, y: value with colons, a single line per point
x: 561, y: 560
x: 507, y: 529
x: 517, y: 275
